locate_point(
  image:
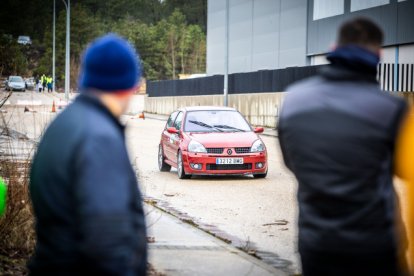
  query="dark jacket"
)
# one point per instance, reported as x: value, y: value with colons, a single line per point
x: 337, y: 133
x: 89, y: 216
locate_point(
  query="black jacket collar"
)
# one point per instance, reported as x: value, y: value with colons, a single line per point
x: 338, y: 72
x: 95, y: 103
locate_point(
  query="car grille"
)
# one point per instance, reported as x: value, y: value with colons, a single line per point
x: 228, y: 167
x: 242, y: 150
x: 215, y: 150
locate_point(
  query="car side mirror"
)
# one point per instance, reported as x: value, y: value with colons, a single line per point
x: 172, y: 130
x: 258, y: 130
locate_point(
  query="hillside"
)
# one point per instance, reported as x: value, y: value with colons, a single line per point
x: 169, y: 35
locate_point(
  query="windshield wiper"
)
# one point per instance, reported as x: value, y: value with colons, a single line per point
x: 229, y: 127
x: 204, y: 125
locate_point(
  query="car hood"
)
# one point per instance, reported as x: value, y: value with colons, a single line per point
x: 17, y: 83
x: 225, y: 139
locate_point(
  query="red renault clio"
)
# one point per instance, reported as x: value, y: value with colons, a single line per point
x: 211, y: 141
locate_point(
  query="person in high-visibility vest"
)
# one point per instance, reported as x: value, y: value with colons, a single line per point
x: 404, y: 168
x: 44, y: 82
x: 49, y: 84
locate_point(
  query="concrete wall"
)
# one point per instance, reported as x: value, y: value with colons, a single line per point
x: 260, y: 109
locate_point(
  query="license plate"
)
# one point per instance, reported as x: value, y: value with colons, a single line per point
x: 229, y: 161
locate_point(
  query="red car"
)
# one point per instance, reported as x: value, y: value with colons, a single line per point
x: 211, y: 141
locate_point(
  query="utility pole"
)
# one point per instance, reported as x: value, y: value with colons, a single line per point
x: 54, y: 46
x: 67, y: 61
x: 226, y: 57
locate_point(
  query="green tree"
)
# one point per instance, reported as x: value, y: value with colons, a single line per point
x: 195, y: 11
x: 169, y: 34
x: 12, y: 59
x: 176, y: 27
x: 84, y: 29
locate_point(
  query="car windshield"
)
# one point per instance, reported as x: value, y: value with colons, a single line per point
x: 16, y: 79
x: 215, y: 121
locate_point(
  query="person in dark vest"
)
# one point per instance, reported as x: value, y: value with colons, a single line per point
x: 87, y: 205
x: 337, y: 134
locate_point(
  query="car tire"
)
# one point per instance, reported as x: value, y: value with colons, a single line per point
x: 180, y: 167
x: 260, y: 175
x: 164, y: 167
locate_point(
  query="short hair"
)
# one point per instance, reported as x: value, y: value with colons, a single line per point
x: 360, y: 31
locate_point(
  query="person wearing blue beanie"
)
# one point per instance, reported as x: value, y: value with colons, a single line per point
x: 85, y: 195
x: 111, y: 71
x: 110, y: 64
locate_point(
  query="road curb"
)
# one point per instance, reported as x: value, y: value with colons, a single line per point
x: 184, y: 241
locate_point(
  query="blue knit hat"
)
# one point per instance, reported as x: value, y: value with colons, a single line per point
x: 110, y: 64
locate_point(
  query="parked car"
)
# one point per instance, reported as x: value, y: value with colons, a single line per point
x: 15, y: 83
x: 30, y: 84
x: 211, y: 141
x: 24, y: 40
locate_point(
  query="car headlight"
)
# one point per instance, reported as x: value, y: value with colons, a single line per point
x: 195, y: 146
x: 257, y: 146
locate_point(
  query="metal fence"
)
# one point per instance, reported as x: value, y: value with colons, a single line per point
x: 252, y: 82
x: 396, y: 77
x: 391, y: 77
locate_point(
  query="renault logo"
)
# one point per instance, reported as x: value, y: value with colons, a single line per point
x: 229, y: 151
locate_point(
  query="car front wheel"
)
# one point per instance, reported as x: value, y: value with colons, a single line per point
x: 180, y: 167
x: 164, y: 167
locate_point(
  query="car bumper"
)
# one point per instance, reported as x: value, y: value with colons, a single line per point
x: 208, y: 164
x: 17, y: 88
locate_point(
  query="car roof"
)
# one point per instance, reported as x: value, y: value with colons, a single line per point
x: 201, y: 108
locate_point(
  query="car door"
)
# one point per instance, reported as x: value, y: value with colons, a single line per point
x: 165, y: 137
x: 176, y: 138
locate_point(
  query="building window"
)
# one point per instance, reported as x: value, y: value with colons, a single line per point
x: 327, y: 8
x: 357, y: 5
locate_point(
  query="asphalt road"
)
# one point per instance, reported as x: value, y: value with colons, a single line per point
x: 255, y: 214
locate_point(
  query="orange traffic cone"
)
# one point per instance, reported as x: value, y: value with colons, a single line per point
x: 53, y: 107
x: 142, y: 115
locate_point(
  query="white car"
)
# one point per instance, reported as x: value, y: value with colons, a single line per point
x: 15, y: 83
x: 24, y: 40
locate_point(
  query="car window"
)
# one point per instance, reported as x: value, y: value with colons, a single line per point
x: 16, y: 79
x: 171, y: 119
x: 215, y: 120
x: 178, y: 120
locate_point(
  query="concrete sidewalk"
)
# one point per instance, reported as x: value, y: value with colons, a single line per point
x: 267, y: 131
x: 182, y: 249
